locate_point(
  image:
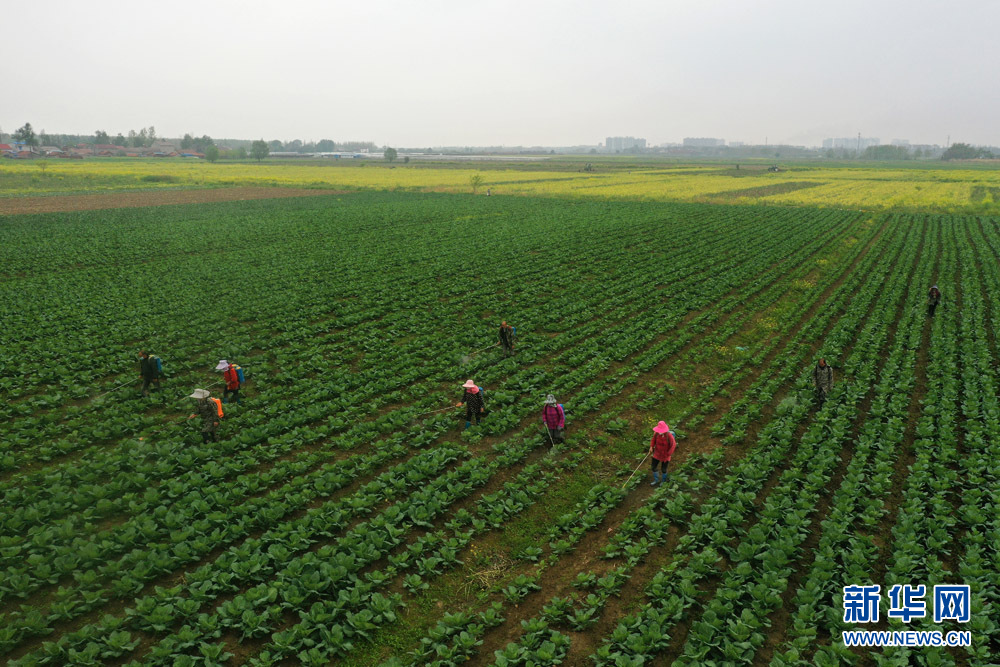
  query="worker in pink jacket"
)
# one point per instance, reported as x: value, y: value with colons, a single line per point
x: 662, y: 447
x: 554, y: 418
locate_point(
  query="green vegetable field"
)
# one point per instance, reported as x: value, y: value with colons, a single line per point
x: 345, y: 517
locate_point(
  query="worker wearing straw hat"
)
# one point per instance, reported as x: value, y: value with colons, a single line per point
x: 209, y: 414
x: 474, y: 404
x: 662, y: 447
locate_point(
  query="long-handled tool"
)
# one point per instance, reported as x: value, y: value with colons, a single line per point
x: 636, y: 469
x: 551, y: 441
x: 123, y: 384
x: 468, y: 357
x: 421, y: 414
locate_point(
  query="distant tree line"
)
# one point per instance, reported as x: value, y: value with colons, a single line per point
x: 966, y: 152
x: 321, y: 146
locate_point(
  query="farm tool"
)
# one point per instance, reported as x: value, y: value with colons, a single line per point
x: 123, y: 384
x: 636, y: 469
x: 552, y: 449
x: 468, y: 357
x: 431, y: 412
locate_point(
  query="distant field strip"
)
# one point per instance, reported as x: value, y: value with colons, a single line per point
x: 765, y: 190
x: 943, y: 189
x: 66, y: 203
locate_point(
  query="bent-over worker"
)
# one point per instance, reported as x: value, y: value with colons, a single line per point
x: 208, y: 409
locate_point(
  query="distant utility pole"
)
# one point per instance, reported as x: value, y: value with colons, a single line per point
x: 947, y: 143
x: 859, y: 144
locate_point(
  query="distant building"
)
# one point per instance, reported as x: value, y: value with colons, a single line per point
x: 163, y: 146
x: 736, y: 144
x: 900, y: 142
x: 851, y: 143
x: 621, y: 144
x: 703, y: 142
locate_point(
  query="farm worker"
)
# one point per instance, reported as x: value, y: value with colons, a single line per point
x: 474, y: 405
x: 232, y: 380
x: 148, y: 372
x: 662, y: 446
x: 933, y: 299
x: 507, y: 338
x: 209, y: 411
x: 822, y: 380
x: 554, y: 418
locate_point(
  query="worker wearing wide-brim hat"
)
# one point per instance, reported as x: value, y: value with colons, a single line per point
x: 232, y: 379
x: 209, y: 412
x: 662, y: 446
x: 474, y: 404
x: 554, y: 418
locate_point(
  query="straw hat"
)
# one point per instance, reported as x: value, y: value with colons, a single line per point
x: 200, y: 393
x: 550, y: 400
x: 469, y: 384
x: 661, y: 427
x: 222, y: 365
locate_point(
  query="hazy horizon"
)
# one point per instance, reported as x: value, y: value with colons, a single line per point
x: 445, y: 73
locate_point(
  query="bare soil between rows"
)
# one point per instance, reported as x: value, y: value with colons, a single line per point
x: 95, y: 202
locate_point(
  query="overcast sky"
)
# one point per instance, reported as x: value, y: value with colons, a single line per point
x: 506, y: 72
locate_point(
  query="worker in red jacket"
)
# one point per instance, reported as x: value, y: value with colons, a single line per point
x: 232, y: 380
x: 662, y: 447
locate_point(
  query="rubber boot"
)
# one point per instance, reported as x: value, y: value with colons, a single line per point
x: 467, y: 425
x: 656, y: 478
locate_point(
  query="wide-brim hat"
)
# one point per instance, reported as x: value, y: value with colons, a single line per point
x: 661, y: 427
x: 550, y: 400
x: 222, y: 365
x: 469, y: 384
x: 200, y: 393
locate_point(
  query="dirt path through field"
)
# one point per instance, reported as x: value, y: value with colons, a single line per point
x: 66, y: 203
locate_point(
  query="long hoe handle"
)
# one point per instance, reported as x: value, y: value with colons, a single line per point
x: 636, y: 470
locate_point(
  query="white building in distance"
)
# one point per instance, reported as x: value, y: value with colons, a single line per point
x: 620, y: 144
x: 851, y: 143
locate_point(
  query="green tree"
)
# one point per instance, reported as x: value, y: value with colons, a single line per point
x: 964, y: 152
x: 26, y: 135
x: 475, y: 181
x: 241, y: 152
x: 212, y: 153
x: 886, y: 152
x: 101, y: 137
x: 326, y: 146
x: 120, y: 140
x: 406, y: 159
x: 390, y: 154
x: 259, y: 150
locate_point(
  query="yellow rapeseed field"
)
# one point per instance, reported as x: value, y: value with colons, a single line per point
x: 945, y: 188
